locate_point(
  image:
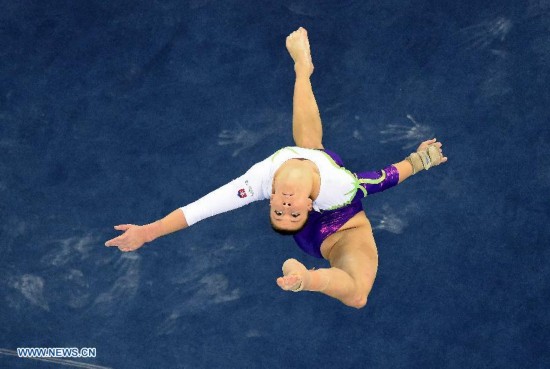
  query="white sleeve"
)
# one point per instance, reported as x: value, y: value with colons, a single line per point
x: 242, y: 191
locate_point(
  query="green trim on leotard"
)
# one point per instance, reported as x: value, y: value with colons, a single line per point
x: 357, y: 186
x: 278, y: 151
x: 356, y: 182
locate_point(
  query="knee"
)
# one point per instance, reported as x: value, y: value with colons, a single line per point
x: 359, y: 295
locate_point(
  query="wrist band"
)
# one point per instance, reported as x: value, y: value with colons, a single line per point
x: 416, y: 162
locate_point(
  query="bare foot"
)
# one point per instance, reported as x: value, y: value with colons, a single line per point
x: 297, y: 45
x: 295, y: 276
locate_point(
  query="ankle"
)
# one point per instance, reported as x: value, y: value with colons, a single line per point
x: 317, y: 280
x: 303, y: 71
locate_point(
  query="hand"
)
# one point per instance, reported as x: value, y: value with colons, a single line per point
x: 424, y: 146
x: 133, y: 238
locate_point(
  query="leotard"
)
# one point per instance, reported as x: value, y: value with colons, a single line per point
x: 339, y: 195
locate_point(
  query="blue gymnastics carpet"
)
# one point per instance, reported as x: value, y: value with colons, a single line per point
x: 118, y: 111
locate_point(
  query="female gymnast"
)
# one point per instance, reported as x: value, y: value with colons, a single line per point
x: 312, y: 196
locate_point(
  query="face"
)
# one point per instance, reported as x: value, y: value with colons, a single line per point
x: 289, y: 211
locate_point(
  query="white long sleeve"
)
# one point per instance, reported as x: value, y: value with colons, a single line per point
x: 252, y: 186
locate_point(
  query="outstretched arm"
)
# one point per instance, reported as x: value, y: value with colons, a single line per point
x: 307, y: 129
x: 135, y: 236
x: 235, y: 194
x: 428, y: 154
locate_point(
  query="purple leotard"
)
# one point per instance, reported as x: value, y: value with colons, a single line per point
x: 320, y: 225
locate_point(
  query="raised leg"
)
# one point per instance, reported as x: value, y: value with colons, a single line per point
x: 307, y: 129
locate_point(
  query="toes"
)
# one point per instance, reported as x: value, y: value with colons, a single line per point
x: 290, y: 282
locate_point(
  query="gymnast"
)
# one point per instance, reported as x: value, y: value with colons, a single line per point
x: 312, y: 196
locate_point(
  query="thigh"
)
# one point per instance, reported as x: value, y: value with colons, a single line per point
x: 308, y: 142
x: 308, y: 133
x: 355, y: 252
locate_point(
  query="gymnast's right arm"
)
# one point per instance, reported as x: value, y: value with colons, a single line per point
x: 242, y: 191
x: 135, y: 236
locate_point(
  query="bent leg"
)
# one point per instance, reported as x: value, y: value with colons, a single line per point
x: 354, y: 263
x: 307, y: 129
x: 355, y: 257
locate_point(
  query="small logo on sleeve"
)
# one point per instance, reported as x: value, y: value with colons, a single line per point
x: 242, y: 193
x: 250, y: 190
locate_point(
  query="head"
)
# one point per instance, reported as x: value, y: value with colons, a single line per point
x: 289, y: 211
x: 291, y: 200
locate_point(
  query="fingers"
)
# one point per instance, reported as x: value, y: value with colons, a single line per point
x: 116, y: 242
x: 123, y: 227
x: 120, y: 241
x: 433, y: 142
x: 111, y: 242
x: 439, y: 145
x: 132, y: 238
x: 424, y: 145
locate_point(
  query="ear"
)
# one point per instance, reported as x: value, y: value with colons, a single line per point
x: 310, y: 205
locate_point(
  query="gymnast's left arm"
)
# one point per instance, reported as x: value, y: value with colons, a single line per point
x: 428, y: 154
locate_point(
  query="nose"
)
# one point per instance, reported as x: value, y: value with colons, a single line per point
x: 286, y: 198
